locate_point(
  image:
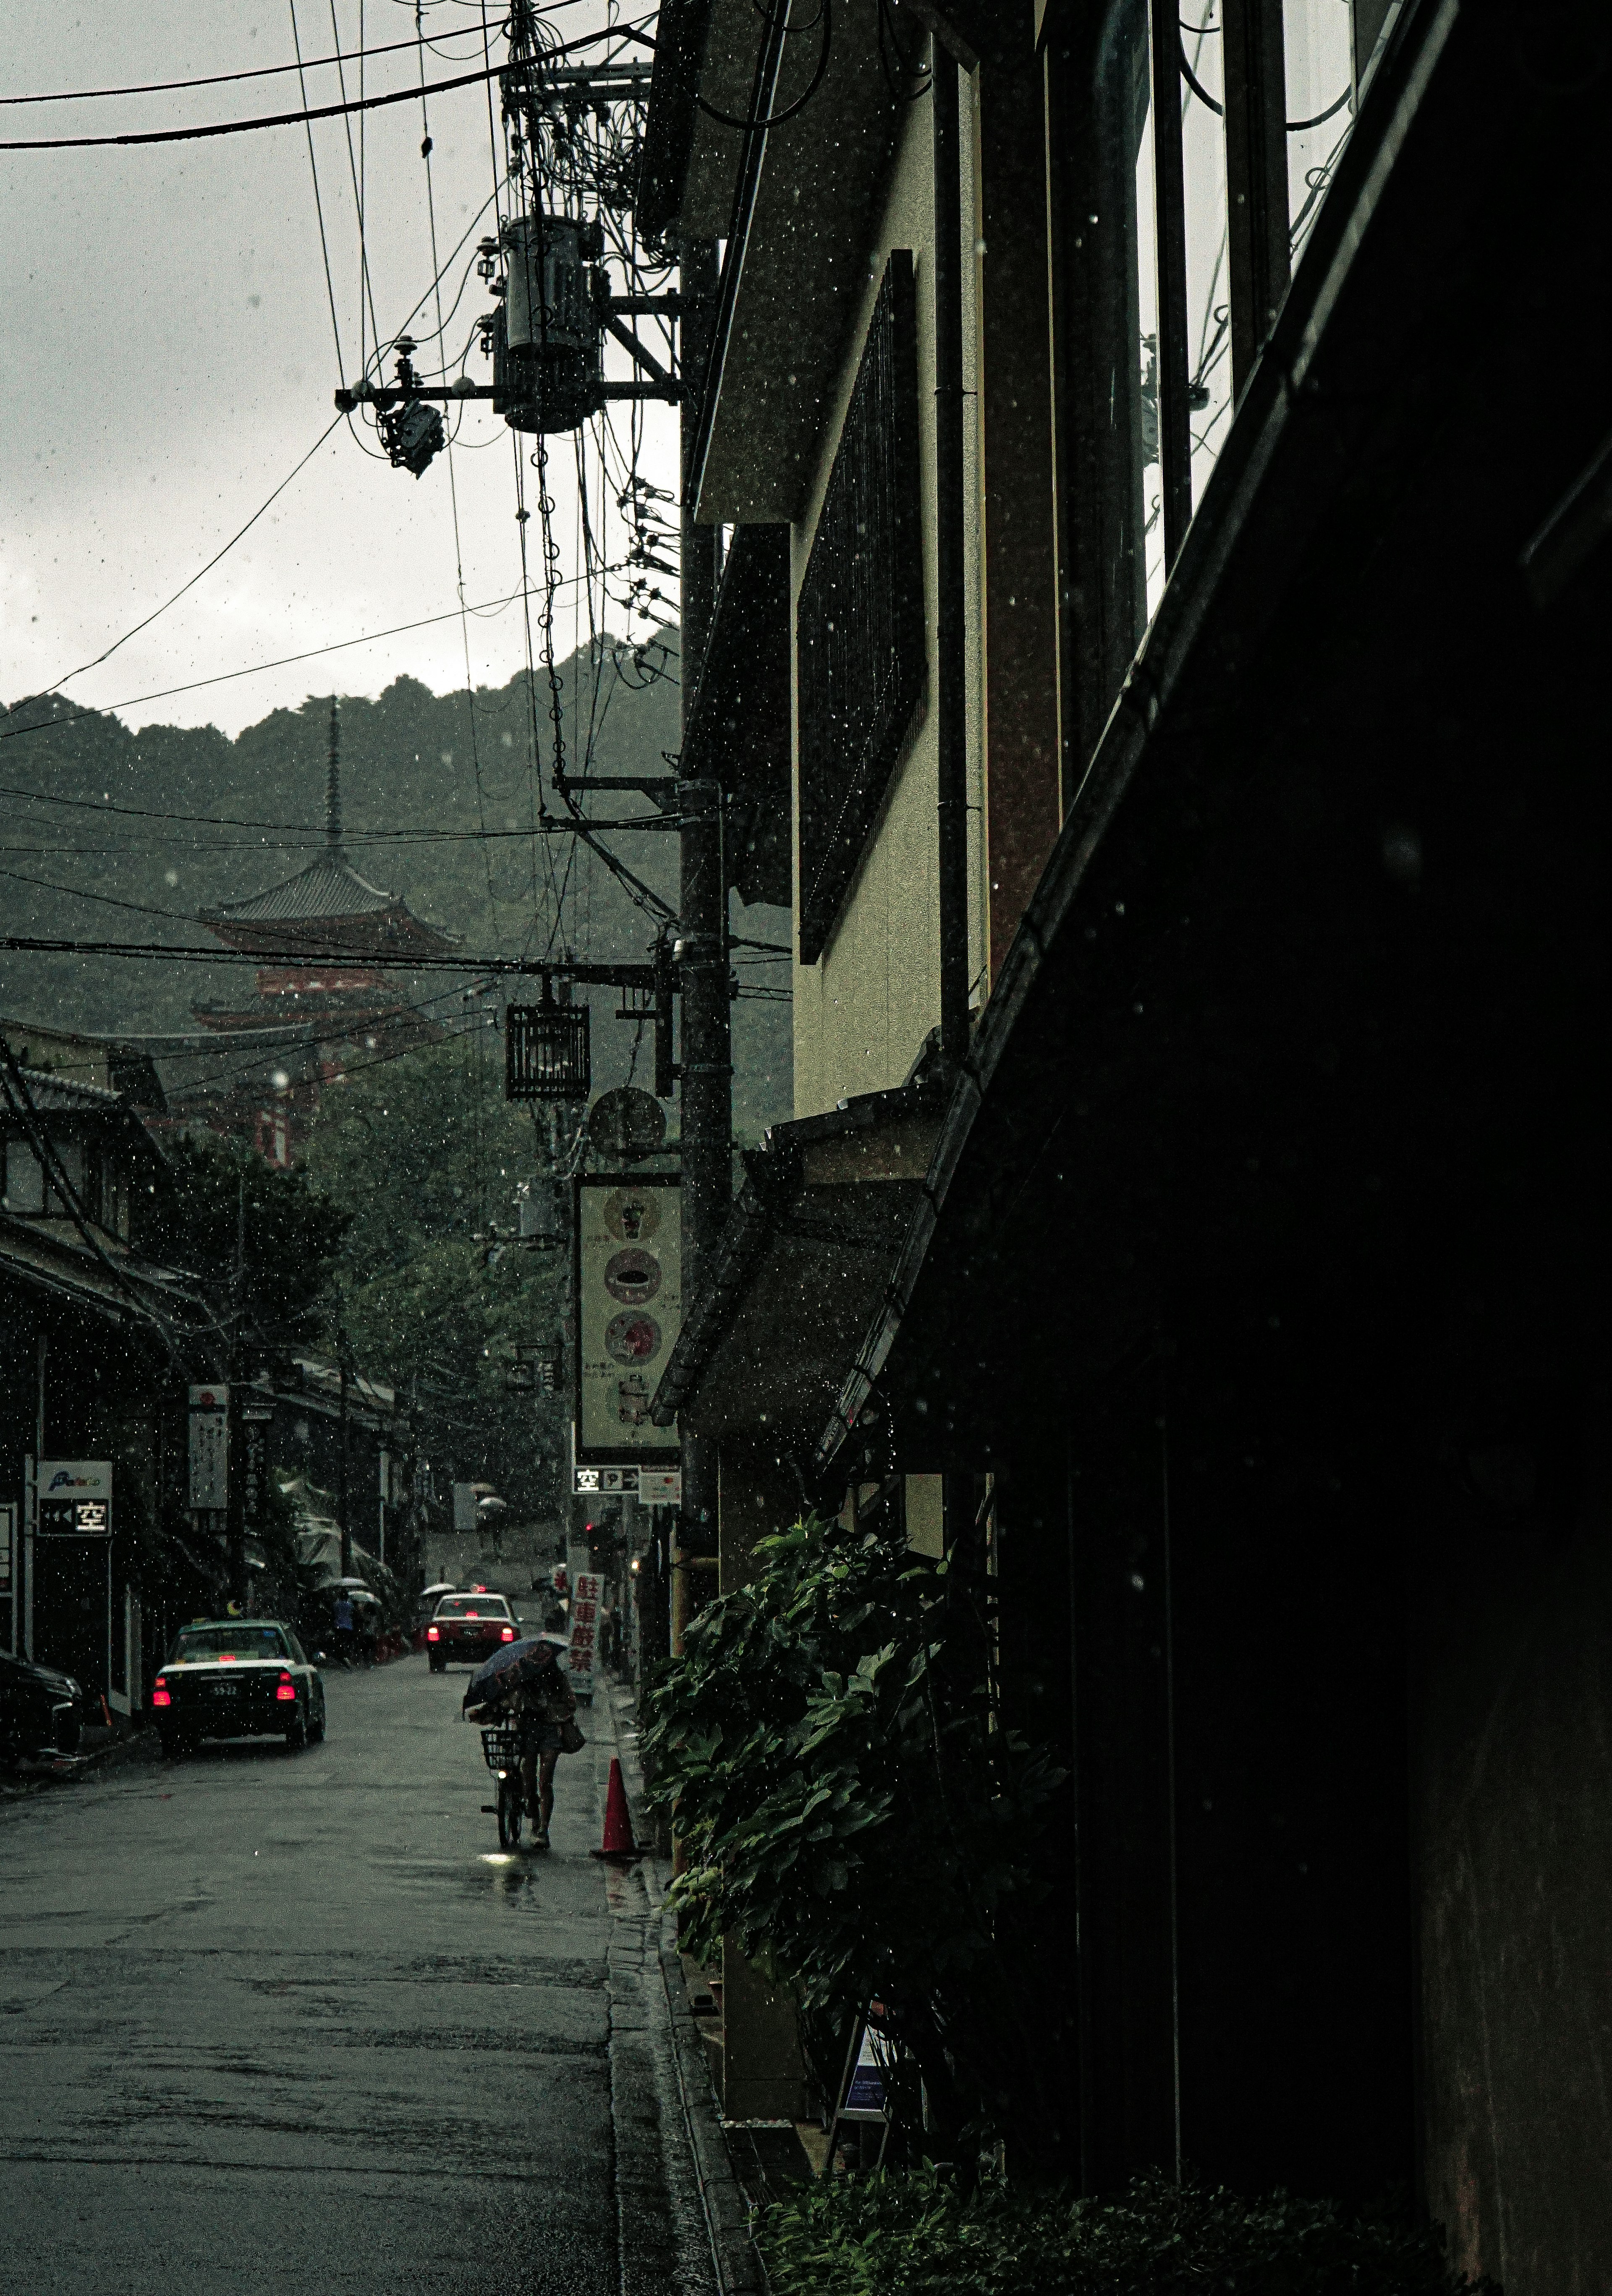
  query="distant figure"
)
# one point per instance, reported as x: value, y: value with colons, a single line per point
x: 554, y: 1621
x: 344, y: 1627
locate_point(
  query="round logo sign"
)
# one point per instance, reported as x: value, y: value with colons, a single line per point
x: 633, y: 1400
x: 632, y: 1214
x: 632, y: 1337
x: 632, y: 1276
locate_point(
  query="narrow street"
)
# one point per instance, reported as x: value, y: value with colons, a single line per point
x: 274, y: 2021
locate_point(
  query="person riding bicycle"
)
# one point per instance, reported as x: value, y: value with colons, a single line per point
x: 540, y: 1706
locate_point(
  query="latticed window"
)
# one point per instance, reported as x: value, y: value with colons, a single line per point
x: 860, y: 623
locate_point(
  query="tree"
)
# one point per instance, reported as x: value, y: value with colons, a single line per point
x: 425, y: 1156
x: 262, y: 1241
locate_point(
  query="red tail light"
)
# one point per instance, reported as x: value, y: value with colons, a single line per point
x: 433, y: 1634
x: 285, y: 1687
x: 162, y: 1695
x: 509, y: 1634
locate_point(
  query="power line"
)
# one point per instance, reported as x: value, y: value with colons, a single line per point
x: 244, y: 126
x: 330, y: 284
x: 286, y: 118
x: 526, y: 968
x: 225, y: 676
x: 213, y: 80
x: 158, y: 611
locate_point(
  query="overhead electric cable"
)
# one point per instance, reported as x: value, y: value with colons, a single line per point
x: 528, y: 968
x: 291, y: 118
x: 330, y: 284
x: 158, y: 610
x: 214, y: 79
x: 225, y: 676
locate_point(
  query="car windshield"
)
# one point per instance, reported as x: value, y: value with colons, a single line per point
x: 230, y: 1642
x: 474, y: 1606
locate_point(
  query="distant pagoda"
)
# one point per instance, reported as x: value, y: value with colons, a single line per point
x: 323, y: 1001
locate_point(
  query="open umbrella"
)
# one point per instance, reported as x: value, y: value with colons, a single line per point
x: 508, y: 1667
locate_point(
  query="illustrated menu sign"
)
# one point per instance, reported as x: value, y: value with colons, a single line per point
x: 629, y: 1309
x: 75, y: 1499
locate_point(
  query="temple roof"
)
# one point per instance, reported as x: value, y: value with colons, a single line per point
x: 353, y: 915
x: 331, y: 887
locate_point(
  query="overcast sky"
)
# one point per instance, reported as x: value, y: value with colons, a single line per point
x: 169, y: 358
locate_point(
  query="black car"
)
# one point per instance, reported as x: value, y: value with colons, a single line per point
x: 41, y: 1711
x: 238, y: 1678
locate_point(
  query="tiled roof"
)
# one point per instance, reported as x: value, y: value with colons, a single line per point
x: 60, y: 1097
x: 330, y: 887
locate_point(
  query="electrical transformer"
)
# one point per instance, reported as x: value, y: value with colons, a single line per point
x: 548, y: 334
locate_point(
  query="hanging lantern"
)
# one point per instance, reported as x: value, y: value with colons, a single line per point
x: 546, y: 1054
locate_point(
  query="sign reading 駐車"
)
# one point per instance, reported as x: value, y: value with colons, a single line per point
x: 629, y: 1235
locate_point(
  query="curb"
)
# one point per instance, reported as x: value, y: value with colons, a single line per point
x: 70, y: 1769
x: 740, y: 2271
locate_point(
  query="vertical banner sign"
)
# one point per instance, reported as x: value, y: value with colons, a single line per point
x: 628, y: 1233
x: 586, y: 1589
x: 8, y: 1584
x: 71, y: 1589
x: 210, y: 1447
x: 255, y: 1423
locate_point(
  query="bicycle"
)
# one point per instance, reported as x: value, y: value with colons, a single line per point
x: 501, y: 1749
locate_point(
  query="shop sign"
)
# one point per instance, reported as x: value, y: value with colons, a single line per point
x: 74, y: 1498
x: 629, y: 1270
x: 210, y: 1447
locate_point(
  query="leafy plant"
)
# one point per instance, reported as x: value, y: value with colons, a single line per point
x: 921, y: 2232
x: 262, y: 1241
x: 850, y: 1813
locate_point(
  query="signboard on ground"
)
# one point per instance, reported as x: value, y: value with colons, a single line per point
x: 629, y: 1273
x: 465, y: 1506
x: 209, y: 1448
x: 75, y: 1499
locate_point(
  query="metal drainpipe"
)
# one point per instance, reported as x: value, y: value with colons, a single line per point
x: 950, y: 670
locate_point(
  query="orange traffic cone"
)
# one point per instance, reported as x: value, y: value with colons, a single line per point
x: 619, y: 1843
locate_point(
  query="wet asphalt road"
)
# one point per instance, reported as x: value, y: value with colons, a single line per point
x: 274, y: 2022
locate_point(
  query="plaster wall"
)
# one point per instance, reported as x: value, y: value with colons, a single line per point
x: 862, y: 1012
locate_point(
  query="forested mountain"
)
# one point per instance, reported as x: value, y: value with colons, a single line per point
x: 116, y: 835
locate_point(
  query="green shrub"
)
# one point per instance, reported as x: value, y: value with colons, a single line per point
x: 852, y: 1818
x: 921, y: 2234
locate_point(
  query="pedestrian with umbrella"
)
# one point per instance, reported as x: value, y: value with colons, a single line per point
x: 521, y: 1684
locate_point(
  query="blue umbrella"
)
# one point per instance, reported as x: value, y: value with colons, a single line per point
x: 510, y: 1665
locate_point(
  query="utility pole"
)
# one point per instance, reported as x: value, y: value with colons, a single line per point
x: 707, y: 1049
x: 341, y: 1521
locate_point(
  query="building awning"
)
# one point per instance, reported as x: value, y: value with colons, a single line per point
x: 809, y: 1249
x: 1207, y: 965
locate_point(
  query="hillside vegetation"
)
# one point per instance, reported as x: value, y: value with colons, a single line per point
x: 113, y: 834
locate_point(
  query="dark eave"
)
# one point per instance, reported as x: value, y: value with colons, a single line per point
x: 806, y: 1251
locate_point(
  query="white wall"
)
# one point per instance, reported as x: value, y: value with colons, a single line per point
x: 862, y: 1012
